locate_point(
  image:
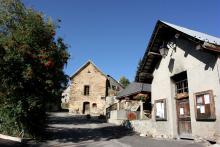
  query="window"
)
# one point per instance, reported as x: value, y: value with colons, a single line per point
x: 182, y: 86
x: 113, y: 87
x: 86, y: 90
x: 160, y: 110
x: 204, y: 106
x: 94, y: 106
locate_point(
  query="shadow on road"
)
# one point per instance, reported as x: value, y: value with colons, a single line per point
x: 85, y: 134
x: 78, y: 129
x: 75, y: 120
x: 75, y: 129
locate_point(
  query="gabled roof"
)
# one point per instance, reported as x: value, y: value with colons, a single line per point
x: 84, y: 66
x: 134, y: 88
x: 165, y: 31
x: 111, y: 79
x: 114, y: 82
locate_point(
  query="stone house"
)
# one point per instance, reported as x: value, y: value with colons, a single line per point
x: 183, y: 68
x: 89, y: 88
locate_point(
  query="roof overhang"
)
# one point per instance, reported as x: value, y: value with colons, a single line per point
x: 163, y: 32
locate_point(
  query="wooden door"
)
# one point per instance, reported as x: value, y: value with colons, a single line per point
x: 86, y: 108
x: 183, y: 118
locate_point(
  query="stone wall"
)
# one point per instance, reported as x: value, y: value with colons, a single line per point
x: 91, y: 76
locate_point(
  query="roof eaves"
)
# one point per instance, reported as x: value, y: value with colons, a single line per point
x: 115, y: 81
x: 195, y: 34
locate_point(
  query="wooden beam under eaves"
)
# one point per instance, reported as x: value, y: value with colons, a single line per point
x: 154, y: 54
x: 211, y: 47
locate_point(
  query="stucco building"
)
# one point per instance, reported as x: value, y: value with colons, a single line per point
x: 183, y: 68
x: 89, y: 88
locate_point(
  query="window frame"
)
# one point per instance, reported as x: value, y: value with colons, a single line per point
x: 212, y: 116
x: 165, y: 109
x: 86, y: 93
x: 182, y: 87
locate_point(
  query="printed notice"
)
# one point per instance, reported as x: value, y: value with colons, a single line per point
x: 199, y: 100
x: 158, y: 107
x: 160, y: 110
x: 207, y: 99
x: 202, y: 109
x: 181, y: 111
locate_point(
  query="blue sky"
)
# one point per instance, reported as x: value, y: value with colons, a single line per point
x: 114, y: 33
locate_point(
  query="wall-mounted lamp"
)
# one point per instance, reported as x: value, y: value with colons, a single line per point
x: 163, y: 50
x: 177, y: 35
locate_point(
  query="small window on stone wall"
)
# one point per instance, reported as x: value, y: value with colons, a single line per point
x: 160, y: 110
x: 86, y: 90
x: 113, y: 87
x: 204, y: 106
x: 94, y: 106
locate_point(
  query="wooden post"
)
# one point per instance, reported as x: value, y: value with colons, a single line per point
x: 141, y: 109
x: 118, y: 105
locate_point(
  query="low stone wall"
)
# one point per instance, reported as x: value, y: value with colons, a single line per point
x: 147, y: 128
x: 143, y: 127
x: 116, y: 122
x: 122, y: 114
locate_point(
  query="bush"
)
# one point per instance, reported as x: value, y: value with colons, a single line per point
x: 31, y: 69
x: 65, y: 105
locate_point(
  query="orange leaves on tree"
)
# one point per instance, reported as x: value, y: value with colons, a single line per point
x: 49, y: 63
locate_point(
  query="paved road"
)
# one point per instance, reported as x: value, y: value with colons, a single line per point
x: 70, y: 131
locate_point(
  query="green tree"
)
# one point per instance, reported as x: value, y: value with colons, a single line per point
x: 31, y: 69
x: 124, y: 81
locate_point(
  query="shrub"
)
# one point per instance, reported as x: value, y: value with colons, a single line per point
x: 31, y: 69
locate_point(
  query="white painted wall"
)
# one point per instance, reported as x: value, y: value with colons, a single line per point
x: 202, y: 75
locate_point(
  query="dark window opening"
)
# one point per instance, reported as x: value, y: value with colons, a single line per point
x: 86, y: 90
x: 182, y: 86
x: 94, y: 105
x: 181, y: 82
x: 113, y: 87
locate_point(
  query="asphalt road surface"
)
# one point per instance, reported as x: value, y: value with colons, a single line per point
x: 66, y: 130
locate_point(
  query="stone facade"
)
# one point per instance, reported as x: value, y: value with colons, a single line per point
x: 91, y: 101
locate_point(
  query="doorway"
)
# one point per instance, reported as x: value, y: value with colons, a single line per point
x: 86, y: 107
x: 183, y: 118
